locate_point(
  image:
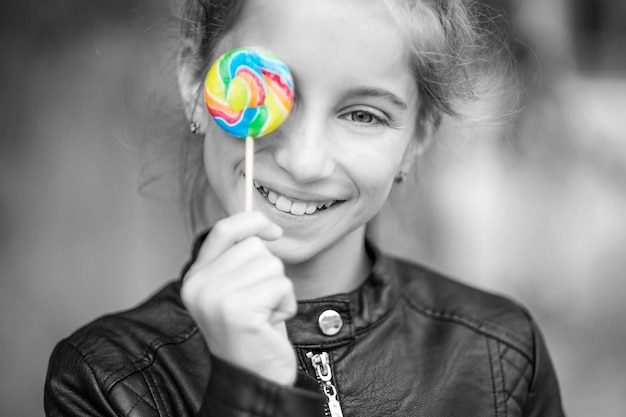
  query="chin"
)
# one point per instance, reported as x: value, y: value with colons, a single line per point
x: 293, y: 251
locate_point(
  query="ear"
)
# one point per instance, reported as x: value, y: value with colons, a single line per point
x: 190, y: 84
x: 419, y: 143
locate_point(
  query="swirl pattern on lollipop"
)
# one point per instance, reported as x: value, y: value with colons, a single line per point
x: 249, y: 92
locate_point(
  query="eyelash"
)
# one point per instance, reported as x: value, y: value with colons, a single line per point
x: 376, y: 120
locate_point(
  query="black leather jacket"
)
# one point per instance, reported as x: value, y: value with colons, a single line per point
x: 411, y: 343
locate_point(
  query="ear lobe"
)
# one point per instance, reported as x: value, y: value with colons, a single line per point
x: 188, y: 83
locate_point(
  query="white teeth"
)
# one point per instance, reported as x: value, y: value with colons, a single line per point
x: 297, y: 208
x: 283, y: 204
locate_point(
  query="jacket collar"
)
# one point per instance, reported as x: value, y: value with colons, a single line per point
x: 359, y: 309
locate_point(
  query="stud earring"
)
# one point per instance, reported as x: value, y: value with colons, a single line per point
x: 194, y: 127
x: 400, y: 177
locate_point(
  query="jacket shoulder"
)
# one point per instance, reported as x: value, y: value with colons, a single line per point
x: 439, y: 297
x: 120, y: 344
x: 521, y: 371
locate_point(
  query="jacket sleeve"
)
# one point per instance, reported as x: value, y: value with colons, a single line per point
x: 544, y: 397
x: 234, y: 392
x: 71, y: 387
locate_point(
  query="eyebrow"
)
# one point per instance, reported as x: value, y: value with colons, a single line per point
x: 378, y: 92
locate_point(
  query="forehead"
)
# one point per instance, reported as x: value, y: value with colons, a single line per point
x: 354, y: 40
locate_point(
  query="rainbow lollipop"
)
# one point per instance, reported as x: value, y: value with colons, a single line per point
x: 249, y: 92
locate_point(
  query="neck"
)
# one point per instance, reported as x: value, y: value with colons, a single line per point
x: 340, y: 268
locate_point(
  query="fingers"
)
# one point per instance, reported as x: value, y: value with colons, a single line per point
x: 234, y: 229
x: 250, y: 309
x: 233, y: 258
x: 247, y: 263
x: 273, y: 299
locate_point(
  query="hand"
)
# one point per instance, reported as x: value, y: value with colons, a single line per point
x: 238, y: 294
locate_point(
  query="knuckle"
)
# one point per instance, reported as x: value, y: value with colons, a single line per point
x: 286, y: 286
x: 219, y: 230
x: 275, y: 265
x: 255, y: 244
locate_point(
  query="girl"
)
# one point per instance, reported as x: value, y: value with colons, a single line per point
x: 290, y: 310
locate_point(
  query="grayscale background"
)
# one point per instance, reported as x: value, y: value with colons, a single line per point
x: 539, y: 215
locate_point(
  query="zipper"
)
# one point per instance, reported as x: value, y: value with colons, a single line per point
x: 324, y: 374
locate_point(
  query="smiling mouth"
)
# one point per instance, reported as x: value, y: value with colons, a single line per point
x: 295, y: 207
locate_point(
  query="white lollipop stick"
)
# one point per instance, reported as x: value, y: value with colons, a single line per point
x: 249, y: 172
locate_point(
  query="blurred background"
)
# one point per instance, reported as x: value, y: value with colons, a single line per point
x: 539, y: 215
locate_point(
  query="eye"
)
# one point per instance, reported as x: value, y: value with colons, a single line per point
x: 361, y: 117
x: 365, y: 118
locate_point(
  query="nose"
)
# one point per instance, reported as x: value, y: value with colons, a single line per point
x: 304, y: 147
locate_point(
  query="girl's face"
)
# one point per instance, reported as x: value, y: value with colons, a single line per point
x: 329, y: 168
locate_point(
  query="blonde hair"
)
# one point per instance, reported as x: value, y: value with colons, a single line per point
x: 460, y: 59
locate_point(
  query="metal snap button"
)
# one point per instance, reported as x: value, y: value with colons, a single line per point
x: 330, y: 322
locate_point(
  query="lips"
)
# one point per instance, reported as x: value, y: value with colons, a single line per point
x: 293, y: 206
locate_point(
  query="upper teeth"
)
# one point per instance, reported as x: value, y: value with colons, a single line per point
x: 297, y: 207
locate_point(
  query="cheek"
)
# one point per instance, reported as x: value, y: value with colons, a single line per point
x: 379, y: 165
x: 373, y: 176
x: 374, y: 171
x: 222, y: 151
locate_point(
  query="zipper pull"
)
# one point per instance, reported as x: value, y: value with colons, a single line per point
x: 333, y: 405
x: 324, y: 373
x: 321, y: 364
